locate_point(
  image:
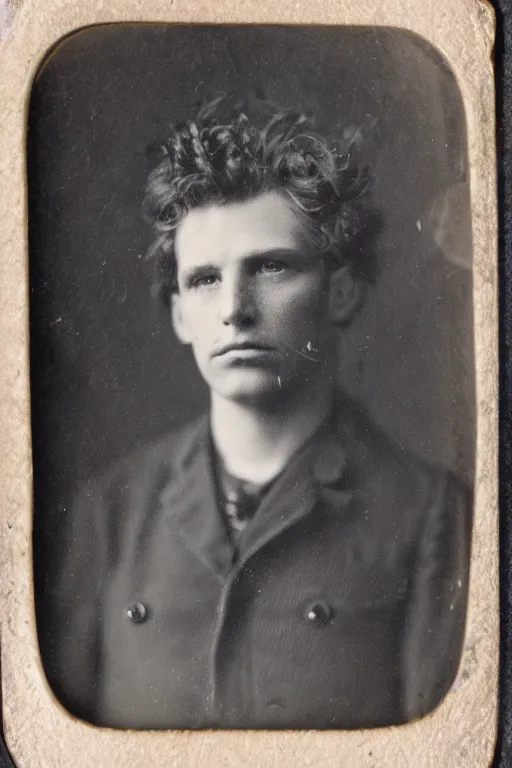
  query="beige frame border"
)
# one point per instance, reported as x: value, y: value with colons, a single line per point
x: 39, y: 732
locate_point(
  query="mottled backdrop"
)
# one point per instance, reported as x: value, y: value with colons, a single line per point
x: 106, y: 371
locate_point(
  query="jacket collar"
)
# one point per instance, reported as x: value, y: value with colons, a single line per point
x: 317, y: 473
x: 190, y: 499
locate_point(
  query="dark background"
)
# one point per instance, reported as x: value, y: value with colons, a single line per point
x: 106, y: 371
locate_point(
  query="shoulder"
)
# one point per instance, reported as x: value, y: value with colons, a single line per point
x: 394, y: 478
x: 121, y: 497
x: 152, y: 463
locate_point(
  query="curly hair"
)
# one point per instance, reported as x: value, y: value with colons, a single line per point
x: 214, y: 160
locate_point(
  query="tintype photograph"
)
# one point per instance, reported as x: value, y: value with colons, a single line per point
x: 252, y: 376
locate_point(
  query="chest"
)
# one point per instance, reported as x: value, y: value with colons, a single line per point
x: 312, y: 616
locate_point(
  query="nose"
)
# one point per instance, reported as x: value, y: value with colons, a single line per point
x: 238, y: 305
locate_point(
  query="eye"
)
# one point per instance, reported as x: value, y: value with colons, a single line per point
x: 272, y: 266
x: 203, y: 281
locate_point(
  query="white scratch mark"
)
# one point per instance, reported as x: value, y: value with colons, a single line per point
x: 418, y: 225
x: 298, y: 352
x: 279, y: 381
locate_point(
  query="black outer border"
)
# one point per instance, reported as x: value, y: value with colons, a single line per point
x: 503, y: 65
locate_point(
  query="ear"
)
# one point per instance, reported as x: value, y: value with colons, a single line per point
x: 178, y: 321
x: 345, y: 295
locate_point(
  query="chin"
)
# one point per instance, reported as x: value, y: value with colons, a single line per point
x: 248, y: 386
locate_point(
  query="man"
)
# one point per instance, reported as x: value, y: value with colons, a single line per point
x: 279, y: 563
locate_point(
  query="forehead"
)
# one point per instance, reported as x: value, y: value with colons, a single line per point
x: 232, y: 231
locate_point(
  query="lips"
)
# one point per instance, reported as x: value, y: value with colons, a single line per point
x: 251, y: 346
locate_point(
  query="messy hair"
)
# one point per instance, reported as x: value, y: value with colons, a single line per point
x: 218, y: 158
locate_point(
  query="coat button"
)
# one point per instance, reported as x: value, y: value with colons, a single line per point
x: 318, y: 613
x: 137, y: 612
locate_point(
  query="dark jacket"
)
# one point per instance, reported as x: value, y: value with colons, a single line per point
x: 344, y: 606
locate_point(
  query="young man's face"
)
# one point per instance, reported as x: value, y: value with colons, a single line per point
x: 252, y: 299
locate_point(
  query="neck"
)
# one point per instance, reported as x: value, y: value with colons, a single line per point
x: 256, y: 443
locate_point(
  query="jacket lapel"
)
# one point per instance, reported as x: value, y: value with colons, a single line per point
x: 191, y: 501
x: 316, y: 476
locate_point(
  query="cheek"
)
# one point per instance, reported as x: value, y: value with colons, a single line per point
x: 197, y: 317
x: 300, y: 310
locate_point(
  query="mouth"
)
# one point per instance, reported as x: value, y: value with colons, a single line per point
x: 243, y: 348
